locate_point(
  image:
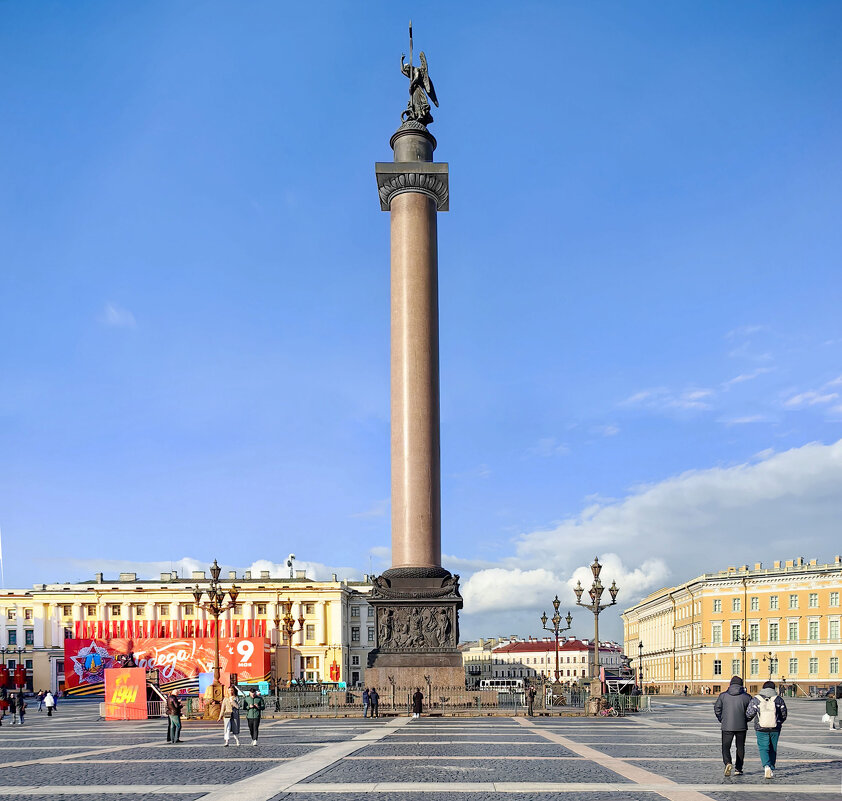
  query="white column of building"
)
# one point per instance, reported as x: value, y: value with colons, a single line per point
x: 248, y: 614
x: 321, y: 622
x: 40, y: 616
x: 149, y: 614
x: 298, y: 612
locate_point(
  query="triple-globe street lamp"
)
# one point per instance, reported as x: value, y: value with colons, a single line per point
x: 596, y: 607
x: 288, y: 629
x: 556, y: 621
x: 216, y: 605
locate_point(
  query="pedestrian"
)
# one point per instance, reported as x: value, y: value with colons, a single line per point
x: 685, y: 689
x: 768, y: 711
x: 21, y: 703
x: 730, y: 710
x: 50, y: 703
x: 230, y: 711
x: 41, y: 695
x: 530, y: 701
x: 831, y: 709
x: 254, y: 706
x: 374, y: 698
x: 174, y: 709
x: 366, y: 701
x: 4, y: 704
x: 417, y: 703
x: 13, y: 708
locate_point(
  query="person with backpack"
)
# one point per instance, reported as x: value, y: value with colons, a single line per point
x: 50, y: 703
x: 13, y: 708
x: 21, y: 706
x: 768, y: 711
x: 831, y: 708
x: 730, y: 710
x: 374, y: 698
x: 366, y: 701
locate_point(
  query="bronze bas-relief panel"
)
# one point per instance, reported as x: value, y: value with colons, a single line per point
x: 414, y: 628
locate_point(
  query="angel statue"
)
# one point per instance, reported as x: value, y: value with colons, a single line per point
x: 420, y: 88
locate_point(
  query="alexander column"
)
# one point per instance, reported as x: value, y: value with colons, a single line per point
x: 416, y: 600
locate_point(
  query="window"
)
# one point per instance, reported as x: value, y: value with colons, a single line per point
x: 834, y: 665
x: 67, y: 610
x: 188, y: 609
x: 793, y: 667
x: 773, y: 602
x: 90, y: 610
x: 813, y: 666
x: 833, y: 629
x: 309, y: 609
x: 371, y: 633
x: 754, y: 632
x: 735, y: 667
x: 793, y: 601
x: 755, y: 603
x: 736, y: 631
x: 355, y: 633
x: 369, y: 611
x: 27, y: 614
x: 28, y: 664
x: 115, y: 610
x: 355, y: 611
x: 754, y: 667
x: 773, y: 665
x: 13, y: 637
x: 355, y: 661
x: 716, y: 633
x: 773, y: 632
x: 139, y: 610
x: 261, y: 609
x: 29, y: 637
x: 736, y: 605
x: 238, y: 609
x: 717, y: 667
x: 813, y: 600
x: 793, y: 630
x: 717, y: 605
x: 311, y: 662
x: 11, y: 614
x: 165, y: 610
x: 310, y: 631
x: 813, y: 629
x: 834, y: 599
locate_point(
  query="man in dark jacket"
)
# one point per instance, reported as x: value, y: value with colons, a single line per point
x: 254, y: 706
x: 174, y: 708
x: 730, y: 710
x: 768, y: 711
x: 831, y: 708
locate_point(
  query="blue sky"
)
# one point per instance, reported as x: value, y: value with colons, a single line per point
x: 641, y: 347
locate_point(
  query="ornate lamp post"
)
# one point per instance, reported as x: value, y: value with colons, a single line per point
x: 216, y: 605
x: 555, y: 630
x: 744, y: 640
x: 770, y: 658
x: 640, y: 664
x: 289, y: 629
x: 596, y: 607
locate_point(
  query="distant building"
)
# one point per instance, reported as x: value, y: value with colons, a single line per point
x: 535, y: 658
x: 781, y: 623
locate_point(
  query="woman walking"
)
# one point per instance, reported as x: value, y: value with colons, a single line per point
x: 230, y: 711
x: 50, y: 703
x: 254, y: 705
x: 768, y: 711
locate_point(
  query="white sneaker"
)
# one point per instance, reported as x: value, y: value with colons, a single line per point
x: 254, y: 742
x: 226, y: 743
x: 767, y: 772
x: 728, y: 768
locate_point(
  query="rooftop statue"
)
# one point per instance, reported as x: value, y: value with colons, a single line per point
x: 420, y: 88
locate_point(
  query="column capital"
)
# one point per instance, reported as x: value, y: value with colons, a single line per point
x: 427, y: 178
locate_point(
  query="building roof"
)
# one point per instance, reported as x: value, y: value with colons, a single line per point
x: 532, y: 646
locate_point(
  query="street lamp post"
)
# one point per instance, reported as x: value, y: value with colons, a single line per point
x: 596, y: 607
x: 744, y: 640
x: 216, y: 605
x: 289, y: 629
x: 770, y: 658
x: 555, y: 630
x: 640, y: 664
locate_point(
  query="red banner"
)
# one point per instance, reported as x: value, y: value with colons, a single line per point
x: 125, y: 694
x: 86, y: 660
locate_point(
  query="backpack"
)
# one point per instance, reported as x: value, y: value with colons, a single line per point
x: 767, y: 714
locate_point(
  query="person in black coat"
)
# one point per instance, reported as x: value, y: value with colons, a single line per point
x: 417, y: 703
x: 730, y: 710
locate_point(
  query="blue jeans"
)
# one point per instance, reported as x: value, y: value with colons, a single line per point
x: 767, y: 744
x: 175, y: 727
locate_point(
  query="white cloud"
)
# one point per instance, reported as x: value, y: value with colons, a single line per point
x: 746, y: 331
x: 501, y: 589
x: 810, y: 398
x: 377, y: 509
x: 633, y: 582
x: 548, y: 446
x: 116, y: 317
x: 609, y: 430
x: 746, y: 419
x: 743, y: 377
x: 661, y: 399
x: 836, y: 382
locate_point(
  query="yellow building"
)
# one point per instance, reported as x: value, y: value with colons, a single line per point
x: 338, y: 622
x: 781, y: 622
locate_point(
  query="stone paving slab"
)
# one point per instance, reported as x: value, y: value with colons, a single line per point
x: 440, y: 771
x: 692, y: 771
x: 59, y: 794
x: 300, y: 793
x: 544, y: 748
x: 122, y: 773
x: 214, y: 751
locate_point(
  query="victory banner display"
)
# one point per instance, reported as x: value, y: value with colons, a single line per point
x: 178, y: 661
x: 125, y: 694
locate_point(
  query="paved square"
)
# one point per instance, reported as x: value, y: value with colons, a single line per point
x: 672, y: 753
